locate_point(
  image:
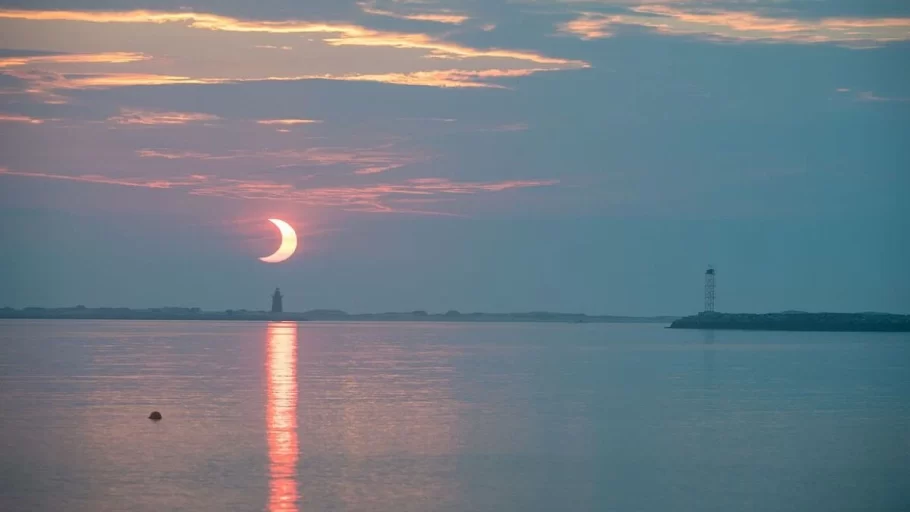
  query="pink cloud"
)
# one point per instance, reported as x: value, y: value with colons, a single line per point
x: 360, y: 160
x: 344, y: 34
x: 367, y: 198
x: 288, y: 122
x: 374, y: 198
x: 45, y: 83
x: 436, y: 17
x: 49, y: 75
x: 149, y: 117
x: 104, y: 180
x: 743, y: 26
x: 588, y: 25
x: 178, y: 155
x: 16, y: 118
x: 445, y: 78
x: 104, y: 58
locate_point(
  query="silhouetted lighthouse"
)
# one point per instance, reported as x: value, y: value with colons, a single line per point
x: 709, y: 289
x: 276, y: 301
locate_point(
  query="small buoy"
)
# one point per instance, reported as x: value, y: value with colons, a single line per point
x: 155, y: 415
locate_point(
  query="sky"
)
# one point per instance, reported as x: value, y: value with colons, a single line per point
x: 497, y: 155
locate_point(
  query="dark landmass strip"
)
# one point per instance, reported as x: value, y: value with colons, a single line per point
x: 84, y: 313
x: 797, y: 321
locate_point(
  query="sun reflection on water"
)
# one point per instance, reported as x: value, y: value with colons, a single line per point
x: 281, y: 416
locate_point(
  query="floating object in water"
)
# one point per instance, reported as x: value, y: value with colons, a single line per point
x: 155, y: 415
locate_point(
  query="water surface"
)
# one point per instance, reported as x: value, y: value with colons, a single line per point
x: 449, y: 417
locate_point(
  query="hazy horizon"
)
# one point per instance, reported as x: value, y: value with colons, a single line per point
x: 406, y: 311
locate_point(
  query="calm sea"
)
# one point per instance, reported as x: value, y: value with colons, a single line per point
x: 449, y: 417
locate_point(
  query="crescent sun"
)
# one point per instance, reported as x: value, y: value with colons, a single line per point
x: 288, y: 242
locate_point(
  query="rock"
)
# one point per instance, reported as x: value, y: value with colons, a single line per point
x: 155, y: 415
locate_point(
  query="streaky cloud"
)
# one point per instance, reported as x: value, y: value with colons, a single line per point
x: 450, y: 78
x: 361, y: 161
x: 18, y: 118
x: 179, y: 155
x: 287, y: 122
x: 73, y: 58
x: 446, y: 17
x: 589, y: 25
x: 345, y: 34
x: 130, y: 116
x: 375, y: 198
x: 106, y: 180
x: 189, y: 48
x: 745, y: 26
x: 445, y: 78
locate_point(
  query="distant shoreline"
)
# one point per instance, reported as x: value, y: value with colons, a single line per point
x: 797, y: 321
x: 172, y: 314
